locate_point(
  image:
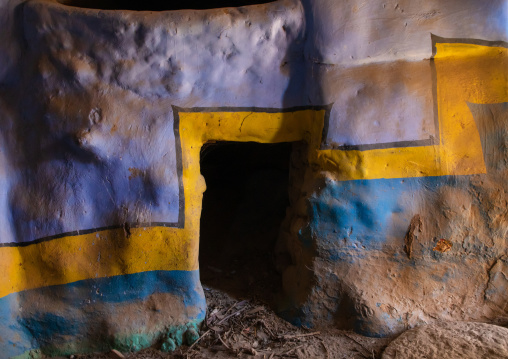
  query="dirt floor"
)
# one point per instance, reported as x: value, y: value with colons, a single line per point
x: 250, y: 329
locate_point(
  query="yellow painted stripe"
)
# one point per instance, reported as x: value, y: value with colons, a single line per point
x: 197, y: 128
x: 383, y: 163
x: 96, y: 255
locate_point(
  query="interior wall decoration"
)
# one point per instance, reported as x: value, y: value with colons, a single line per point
x: 397, y: 214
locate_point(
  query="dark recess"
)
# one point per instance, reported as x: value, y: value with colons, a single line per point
x: 243, y: 207
x: 155, y: 5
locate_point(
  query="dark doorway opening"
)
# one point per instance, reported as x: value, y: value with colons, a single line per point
x: 243, y: 207
x: 158, y: 5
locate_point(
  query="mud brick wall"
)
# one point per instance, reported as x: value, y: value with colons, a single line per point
x: 398, y: 215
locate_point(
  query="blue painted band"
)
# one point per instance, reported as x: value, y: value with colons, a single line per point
x: 26, y: 323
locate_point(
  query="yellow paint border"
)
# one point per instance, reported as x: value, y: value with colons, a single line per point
x: 95, y: 255
x: 113, y: 252
x: 464, y: 73
x: 461, y: 76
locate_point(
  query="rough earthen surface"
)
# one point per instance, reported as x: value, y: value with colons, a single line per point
x: 452, y: 340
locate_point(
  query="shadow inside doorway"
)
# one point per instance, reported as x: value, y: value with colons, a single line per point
x: 243, y: 207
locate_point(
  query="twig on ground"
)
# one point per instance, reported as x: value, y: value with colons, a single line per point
x: 299, y: 335
x: 290, y: 350
x: 267, y: 328
x: 201, y: 337
x: 222, y: 341
x: 234, y: 305
x: 231, y: 315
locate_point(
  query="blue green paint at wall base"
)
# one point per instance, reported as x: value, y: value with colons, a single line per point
x: 63, y: 331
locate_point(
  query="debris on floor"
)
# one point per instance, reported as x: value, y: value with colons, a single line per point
x: 249, y: 329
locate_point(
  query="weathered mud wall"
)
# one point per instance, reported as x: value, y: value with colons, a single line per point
x: 399, y: 218
x: 417, y: 139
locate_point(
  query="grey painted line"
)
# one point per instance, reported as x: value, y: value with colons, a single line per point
x: 385, y: 145
x: 88, y: 231
x: 179, y: 166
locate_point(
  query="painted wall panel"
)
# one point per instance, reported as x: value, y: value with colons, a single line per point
x: 353, y: 34
x: 103, y: 114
